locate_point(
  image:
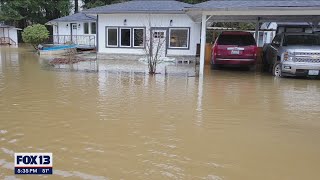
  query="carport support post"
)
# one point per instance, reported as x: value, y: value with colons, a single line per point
x: 257, y: 32
x: 202, y: 43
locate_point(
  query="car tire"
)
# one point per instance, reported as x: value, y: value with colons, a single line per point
x: 276, y: 70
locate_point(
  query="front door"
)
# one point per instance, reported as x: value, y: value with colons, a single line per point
x: 74, y: 32
x: 159, y: 43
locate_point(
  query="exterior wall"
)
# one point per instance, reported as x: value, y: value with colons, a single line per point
x: 64, y: 29
x: 147, y: 21
x: 13, y: 34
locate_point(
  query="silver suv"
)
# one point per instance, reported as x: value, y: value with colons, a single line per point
x: 293, y: 54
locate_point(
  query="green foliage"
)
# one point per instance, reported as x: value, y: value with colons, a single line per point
x: 236, y: 25
x: 35, y: 34
x: 95, y: 3
x: 22, y: 13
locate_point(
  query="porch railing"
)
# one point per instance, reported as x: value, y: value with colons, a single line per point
x: 7, y: 41
x: 83, y: 40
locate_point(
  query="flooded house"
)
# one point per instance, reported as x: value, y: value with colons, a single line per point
x: 8, y: 35
x: 126, y: 30
x: 77, y: 28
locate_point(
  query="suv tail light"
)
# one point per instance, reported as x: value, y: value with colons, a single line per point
x: 214, y: 51
x: 255, y: 51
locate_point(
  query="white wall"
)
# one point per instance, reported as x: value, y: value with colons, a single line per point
x: 143, y: 20
x: 13, y: 34
x: 64, y: 28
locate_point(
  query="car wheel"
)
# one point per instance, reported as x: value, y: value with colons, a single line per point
x: 277, y: 70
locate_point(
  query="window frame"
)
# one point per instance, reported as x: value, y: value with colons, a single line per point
x: 144, y: 37
x: 119, y: 35
x: 84, y: 28
x: 188, y: 38
x: 107, y: 38
x: 95, y: 29
x: 120, y: 38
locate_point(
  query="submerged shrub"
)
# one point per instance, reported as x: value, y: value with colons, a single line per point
x: 35, y: 34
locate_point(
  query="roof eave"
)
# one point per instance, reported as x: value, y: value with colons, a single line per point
x: 135, y: 12
x: 251, y: 8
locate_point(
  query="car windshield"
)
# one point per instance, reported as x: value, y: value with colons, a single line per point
x: 240, y: 40
x: 306, y: 40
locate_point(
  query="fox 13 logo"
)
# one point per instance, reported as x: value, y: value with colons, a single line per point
x: 33, y: 163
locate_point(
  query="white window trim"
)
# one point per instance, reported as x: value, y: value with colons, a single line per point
x: 121, y: 37
x: 108, y: 36
x: 142, y: 37
x: 188, y: 38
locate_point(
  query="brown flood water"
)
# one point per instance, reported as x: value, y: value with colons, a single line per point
x: 229, y: 126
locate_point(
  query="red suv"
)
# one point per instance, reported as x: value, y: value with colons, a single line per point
x: 235, y: 49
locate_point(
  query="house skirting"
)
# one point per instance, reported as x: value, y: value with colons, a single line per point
x: 135, y: 57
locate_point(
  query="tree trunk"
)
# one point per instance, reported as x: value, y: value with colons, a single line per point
x: 76, y: 6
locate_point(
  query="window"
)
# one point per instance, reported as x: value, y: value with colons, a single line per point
x: 179, y: 38
x: 133, y: 37
x: 86, y: 28
x: 234, y: 39
x: 300, y: 40
x: 158, y: 34
x: 125, y: 37
x: 93, y: 28
x: 112, y: 37
x: 138, y: 37
x: 277, y: 40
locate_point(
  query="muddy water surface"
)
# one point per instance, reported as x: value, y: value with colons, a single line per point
x: 228, y: 125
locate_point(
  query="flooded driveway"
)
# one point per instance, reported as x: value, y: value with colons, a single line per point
x: 107, y: 125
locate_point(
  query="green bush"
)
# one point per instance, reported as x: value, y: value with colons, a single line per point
x: 35, y: 34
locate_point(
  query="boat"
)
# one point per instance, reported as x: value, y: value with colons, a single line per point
x: 58, y: 50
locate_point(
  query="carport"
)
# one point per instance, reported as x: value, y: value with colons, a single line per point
x: 257, y: 11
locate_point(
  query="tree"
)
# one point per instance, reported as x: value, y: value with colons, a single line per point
x: 35, y: 34
x: 95, y: 3
x: 153, y: 51
x: 76, y: 6
x: 22, y: 13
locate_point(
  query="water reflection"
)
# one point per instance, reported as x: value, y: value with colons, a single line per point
x: 128, y: 125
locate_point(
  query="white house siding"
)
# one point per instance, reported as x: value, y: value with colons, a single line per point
x: 13, y: 34
x: 147, y: 21
x: 64, y: 29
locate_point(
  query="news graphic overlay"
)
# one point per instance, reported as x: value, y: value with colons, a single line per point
x: 33, y: 163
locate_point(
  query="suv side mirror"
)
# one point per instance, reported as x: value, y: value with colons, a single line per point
x: 276, y: 43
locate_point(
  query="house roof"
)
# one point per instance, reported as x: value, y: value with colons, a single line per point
x: 141, y: 6
x: 5, y: 26
x: 78, y: 17
x: 246, y: 4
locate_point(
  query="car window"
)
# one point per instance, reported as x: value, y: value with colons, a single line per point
x: 240, y: 40
x: 276, y: 40
x: 310, y: 40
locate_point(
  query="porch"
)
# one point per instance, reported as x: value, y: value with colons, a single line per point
x: 85, y: 42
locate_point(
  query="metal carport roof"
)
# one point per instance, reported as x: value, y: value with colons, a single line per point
x: 254, y: 11
x: 265, y: 11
